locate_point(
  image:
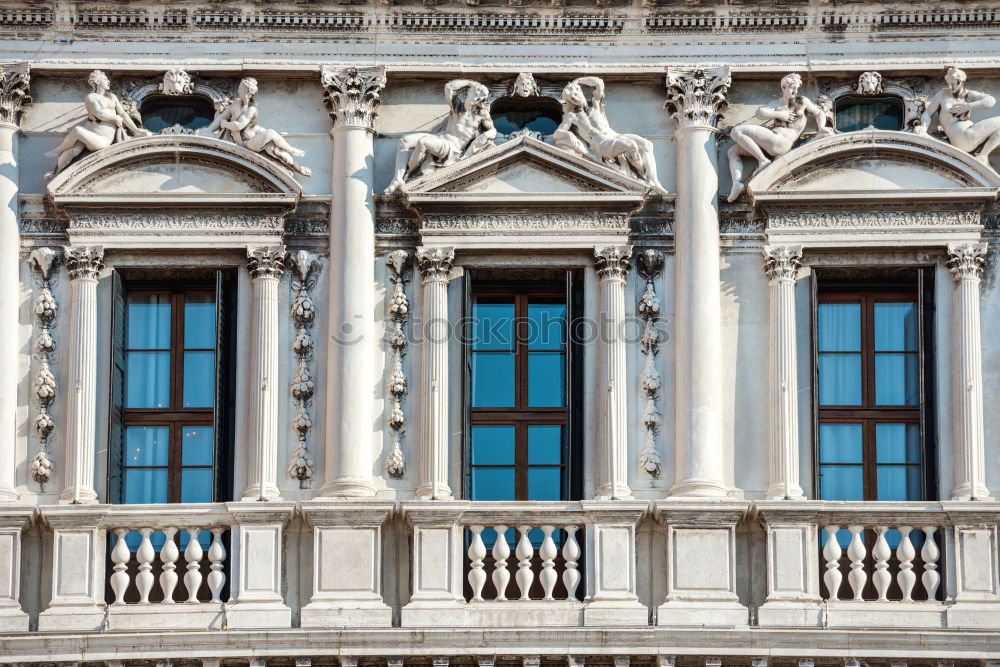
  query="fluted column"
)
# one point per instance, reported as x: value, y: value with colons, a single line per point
x: 965, y: 260
x: 694, y: 99
x: 13, y: 96
x: 435, y: 268
x: 266, y: 264
x: 84, y: 264
x: 353, y: 98
x: 612, y: 264
x: 781, y: 264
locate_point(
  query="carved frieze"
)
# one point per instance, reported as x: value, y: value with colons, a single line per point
x: 613, y: 262
x: 15, y: 81
x: 42, y: 261
x: 353, y: 94
x: 305, y: 271
x: 697, y: 97
x: 872, y: 219
x: 398, y: 262
x: 237, y: 224
x: 493, y: 224
x: 84, y: 262
x: 649, y: 264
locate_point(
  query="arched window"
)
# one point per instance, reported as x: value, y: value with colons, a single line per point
x: 189, y: 111
x: 854, y: 113
x: 538, y: 114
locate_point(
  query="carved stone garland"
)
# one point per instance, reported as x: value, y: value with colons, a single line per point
x: 649, y: 266
x: 399, y: 310
x: 44, y: 386
x: 306, y: 267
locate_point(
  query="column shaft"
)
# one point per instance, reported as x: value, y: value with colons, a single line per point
x: 10, y: 247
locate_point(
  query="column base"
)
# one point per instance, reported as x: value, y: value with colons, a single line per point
x: 790, y: 614
x: 605, y: 492
x: 778, y: 493
x: 615, y: 613
x: 348, y: 487
x: 434, y: 492
x: 84, y: 497
x: 9, y: 495
x: 70, y: 617
x: 346, y: 614
x: 964, y: 492
x: 698, y: 488
x: 252, y: 615
x: 12, y: 619
x: 703, y: 613
x: 253, y: 493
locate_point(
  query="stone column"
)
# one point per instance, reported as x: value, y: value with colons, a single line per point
x: 435, y: 267
x: 694, y: 99
x: 612, y: 264
x: 782, y: 266
x: 965, y: 260
x: 84, y: 264
x: 266, y: 264
x: 13, y: 96
x: 353, y: 98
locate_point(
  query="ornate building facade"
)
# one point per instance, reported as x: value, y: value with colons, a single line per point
x: 662, y: 337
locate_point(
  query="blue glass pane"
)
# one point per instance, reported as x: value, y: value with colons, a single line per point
x: 545, y: 445
x: 840, y: 443
x: 147, y: 380
x: 196, y: 485
x: 897, y: 378
x: 197, y: 445
x: 134, y: 540
x: 146, y: 445
x: 490, y: 537
x: 204, y: 539
x: 843, y: 538
x: 546, y: 326
x: 199, y: 379
x: 492, y: 484
x: 492, y: 379
x: 840, y: 379
x: 546, y: 380
x: 493, y: 326
x: 839, y: 327
x: 492, y: 445
x: 145, y: 485
x: 896, y: 327
x: 148, y: 322
x: 841, y: 483
x: 897, y: 443
x: 544, y: 484
x: 199, y: 321
x: 899, y: 483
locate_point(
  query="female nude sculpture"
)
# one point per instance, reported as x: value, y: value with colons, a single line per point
x: 952, y: 106
x: 789, y: 115
x: 107, y: 123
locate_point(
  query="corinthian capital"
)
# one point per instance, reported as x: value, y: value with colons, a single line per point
x: 782, y: 262
x: 84, y: 262
x: 612, y: 262
x: 966, y: 260
x: 266, y: 261
x: 435, y: 262
x: 14, y: 82
x: 696, y: 97
x: 353, y: 94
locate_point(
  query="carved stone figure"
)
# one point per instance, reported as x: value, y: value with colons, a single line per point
x: 913, y: 109
x: 953, y: 106
x: 176, y: 82
x: 869, y: 83
x: 788, y: 116
x: 108, y: 122
x: 237, y: 122
x: 524, y: 86
x: 468, y: 130
x: 585, y: 130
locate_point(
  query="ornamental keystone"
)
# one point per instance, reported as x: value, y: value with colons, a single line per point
x: 696, y: 97
x: 353, y: 94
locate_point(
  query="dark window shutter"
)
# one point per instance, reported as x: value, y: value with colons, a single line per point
x: 225, y: 365
x: 466, y: 333
x: 116, y: 433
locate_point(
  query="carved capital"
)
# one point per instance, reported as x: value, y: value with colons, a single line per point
x: 435, y: 262
x: 966, y: 260
x: 14, y: 83
x: 782, y: 262
x: 695, y: 98
x: 353, y: 94
x: 266, y: 261
x: 613, y: 262
x: 84, y: 262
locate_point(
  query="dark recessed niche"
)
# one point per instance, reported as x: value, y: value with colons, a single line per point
x: 856, y: 113
x: 538, y: 114
x: 162, y: 111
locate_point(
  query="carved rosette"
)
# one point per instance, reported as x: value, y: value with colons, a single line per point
x: 782, y: 262
x: 399, y: 309
x: 966, y: 260
x: 42, y: 260
x: 649, y: 265
x: 15, y: 81
x: 353, y: 95
x: 84, y: 262
x: 306, y: 268
x: 696, y: 98
x: 266, y: 261
x: 435, y: 263
x: 613, y: 262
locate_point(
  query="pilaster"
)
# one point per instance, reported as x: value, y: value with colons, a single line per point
x: 257, y: 559
x: 78, y: 567
x: 13, y: 520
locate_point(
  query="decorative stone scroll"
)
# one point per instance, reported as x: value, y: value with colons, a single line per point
x: 697, y: 97
x: 953, y: 106
x: 649, y: 265
x: 399, y: 310
x: 14, y: 86
x: 42, y: 260
x: 353, y: 95
x: 306, y: 267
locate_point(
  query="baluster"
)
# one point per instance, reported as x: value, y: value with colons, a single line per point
x: 193, y: 555
x: 477, y: 552
x: 168, y: 556
x: 145, y: 555
x: 548, y: 552
x: 501, y: 552
x: 831, y: 552
x: 571, y: 554
x: 881, y: 552
x: 121, y: 556
x: 217, y: 556
x: 856, y: 552
x: 930, y: 554
x: 905, y: 553
x: 524, y: 552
